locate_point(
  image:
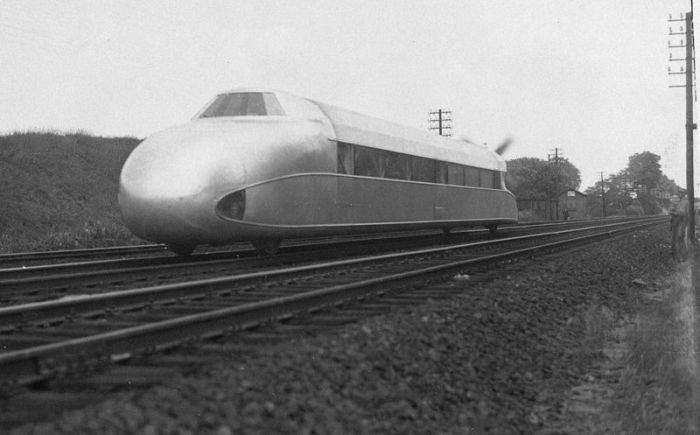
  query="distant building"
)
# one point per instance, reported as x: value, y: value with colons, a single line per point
x: 572, y: 205
x: 658, y: 193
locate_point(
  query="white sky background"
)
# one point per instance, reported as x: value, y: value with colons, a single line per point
x: 586, y: 76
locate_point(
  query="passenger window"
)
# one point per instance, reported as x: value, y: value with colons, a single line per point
x: 441, y: 173
x: 487, y: 178
x: 423, y: 169
x: 397, y: 166
x: 455, y: 174
x: 369, y: 162
x: 472, y: 176
x: 345, y: 158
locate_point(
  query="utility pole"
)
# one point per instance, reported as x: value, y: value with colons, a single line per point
x: 602, y: 193
x: 690, y: 126
x: 440, y: 120
x: 556, y: 178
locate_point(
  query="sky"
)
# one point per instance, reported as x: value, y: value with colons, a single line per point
x: 586, y: 77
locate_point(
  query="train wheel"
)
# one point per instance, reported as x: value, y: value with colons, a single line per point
x: 266, y: 246
x: 492, y: 228
x: 182, y: 250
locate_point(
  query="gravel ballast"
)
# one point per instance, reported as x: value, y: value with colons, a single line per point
x: 498, y: 358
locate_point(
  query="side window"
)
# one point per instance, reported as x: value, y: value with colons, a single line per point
x: 487, y: 178
x: 455, y: 174
x: 345, y: 158
x: 398, y: 166
x: 441, y: 172
x: 369, y: 162
x: 423, y: 169
x: 472, y: 176
x: 498, y: 178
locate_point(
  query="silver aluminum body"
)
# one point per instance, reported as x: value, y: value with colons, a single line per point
x: 287, y: 165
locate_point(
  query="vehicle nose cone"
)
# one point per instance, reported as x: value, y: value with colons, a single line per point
x: 164, y: 167
x: 169, y: 182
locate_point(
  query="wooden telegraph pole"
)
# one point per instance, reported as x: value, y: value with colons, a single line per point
x: 602, y: 193
x: 690, y: 126
x: 440, y: 120
x: 556, y: 156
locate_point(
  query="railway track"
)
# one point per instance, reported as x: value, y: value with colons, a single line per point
x: 40, y: 340
x: 28, y: 260
x: 46, y: 343
x: 42, y: 257
x: 52, y: 281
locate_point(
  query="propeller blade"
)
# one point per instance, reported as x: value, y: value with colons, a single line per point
x: 467, y: 140
x: 503, y: 146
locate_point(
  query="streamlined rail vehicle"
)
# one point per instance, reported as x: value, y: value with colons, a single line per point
x: 262, y: 166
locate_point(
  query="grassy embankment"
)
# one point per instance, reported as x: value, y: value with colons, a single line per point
x: 60, y: 191
x: 659, y: 387
x: 650, y: 382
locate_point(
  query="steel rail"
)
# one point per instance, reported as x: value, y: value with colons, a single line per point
x: 80, y: 252
x: 27, y: 365
x: 29, y: 273
x: 10, y: 272
x: 49, y: 310
x: 55, y: 274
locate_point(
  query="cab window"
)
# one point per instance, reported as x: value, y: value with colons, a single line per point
x: 244, y: 104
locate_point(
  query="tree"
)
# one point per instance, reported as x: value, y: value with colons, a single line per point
x: 533, y: 178
x: 560, y: 176
x: 618, y: 196
x: 644, y: 170
x: 524, y: 177
x: 541, y: 182
x: 665, y: 184
x: 644, y: 175
x: 637, y: 189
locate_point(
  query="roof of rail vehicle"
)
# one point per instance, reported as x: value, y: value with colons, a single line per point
x: 358, y: 129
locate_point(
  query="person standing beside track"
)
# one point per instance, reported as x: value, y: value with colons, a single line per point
x: 679, y: 224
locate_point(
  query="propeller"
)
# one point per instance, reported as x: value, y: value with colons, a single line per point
x: 500, y: 149
x: 503, y: 146
x: 467, y: 140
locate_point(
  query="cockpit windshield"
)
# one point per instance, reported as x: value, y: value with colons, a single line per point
x: 244, y: 104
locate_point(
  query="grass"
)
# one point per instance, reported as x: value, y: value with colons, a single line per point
x: 597, y: 320
x: 659, y: 386
x: 645, y: 378
x: 92, y: 235
x: 59, y: 190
